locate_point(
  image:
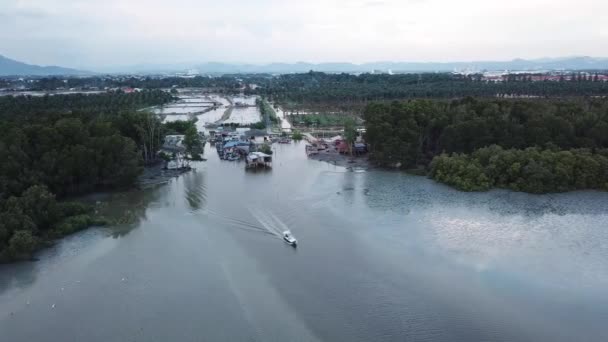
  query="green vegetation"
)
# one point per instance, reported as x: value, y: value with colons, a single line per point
x: 67, y: 145
x: 265, y: 148
x: 258, y: 125
x: 411, y: 134
x: 297, y: 135
x: 228, y: 83
x: 338, y: 91
x: 267, y: 111
x: 67, y: 154
x: 350, y: 134
x: 255, y: 125
x: 349, y: 90
x: 193, y: 143
x: 144, y: 128
x: 24, y: 108
x: 27, y: 221
x: 178, y: 127
x: 321, y: 120
x: 530, y: 170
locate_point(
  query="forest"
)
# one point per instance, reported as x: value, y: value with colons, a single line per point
x: 533, y: 169
x: 318, y: 90
x: 473, y: 144
x: 347, y: 90
x: 228, y: 83
x: 24, y: 107
x: 322, y: 120
x: 53, y: 147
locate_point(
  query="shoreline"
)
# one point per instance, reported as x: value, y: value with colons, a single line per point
x: 344, y: 160
x: 157, y: 175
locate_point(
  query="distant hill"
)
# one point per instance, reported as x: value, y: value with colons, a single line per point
x: 570, y: 63
x: 10, y: 67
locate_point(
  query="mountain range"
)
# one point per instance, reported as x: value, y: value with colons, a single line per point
x: 9, y: 67
x: 545, y: 64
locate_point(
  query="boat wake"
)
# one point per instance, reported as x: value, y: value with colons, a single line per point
x: 237, y: 223
x: 269, y: 221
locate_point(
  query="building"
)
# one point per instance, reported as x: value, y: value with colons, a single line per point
x: 174, y: 143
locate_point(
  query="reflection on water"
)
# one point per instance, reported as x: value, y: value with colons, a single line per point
x: 126, y: 209
x: 392, y: 190
x: 195, y: 190
x: 16, y: 276
x: 383, y: 256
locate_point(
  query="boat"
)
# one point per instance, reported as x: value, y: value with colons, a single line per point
x: 285, y: 141
x: 287, y: 237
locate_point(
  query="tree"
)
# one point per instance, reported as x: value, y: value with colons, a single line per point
x: 193, y: 143
x: 40, y: 205
x: 21, y: 244
x: 178, y: 126
x: 66, y: 145
x: 297, y: 135
x: 265, y: 148
x: 350, y: 133
x: 149, y: 129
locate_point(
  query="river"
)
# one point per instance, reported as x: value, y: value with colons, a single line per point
x: 383, y: 256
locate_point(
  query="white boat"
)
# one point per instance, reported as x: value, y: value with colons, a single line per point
x: 287, y: 237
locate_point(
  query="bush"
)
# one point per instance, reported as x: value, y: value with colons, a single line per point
x: 258, y: 125
x: 165, y: 156
x: 73, y: 208
x: 73, y: 224
x: 178, y: 126
x: 531, y: 170
x: 22, y: 244
x: 297, y: 135
x: 265, y: 148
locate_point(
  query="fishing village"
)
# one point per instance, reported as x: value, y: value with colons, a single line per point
x: 245, y: 128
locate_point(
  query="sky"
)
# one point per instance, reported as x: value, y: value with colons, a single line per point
x: 97, y: 34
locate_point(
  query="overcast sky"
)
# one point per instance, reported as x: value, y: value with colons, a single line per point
x: 107, y: 33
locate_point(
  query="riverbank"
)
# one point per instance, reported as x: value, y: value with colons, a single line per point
x: 345, y: 160
x: 157, y: 174
x: 47, y: 222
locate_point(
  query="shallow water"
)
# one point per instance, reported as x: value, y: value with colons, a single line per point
x: 181, y: 109
x: 244, y: 115
x: 383, y: 256
x: 211, y: 116
x: 248, y: 100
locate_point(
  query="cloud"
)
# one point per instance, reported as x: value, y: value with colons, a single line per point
x: 375, y: 3
x: 97, y: 33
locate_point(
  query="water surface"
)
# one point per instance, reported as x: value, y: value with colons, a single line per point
x: 383, y: 256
